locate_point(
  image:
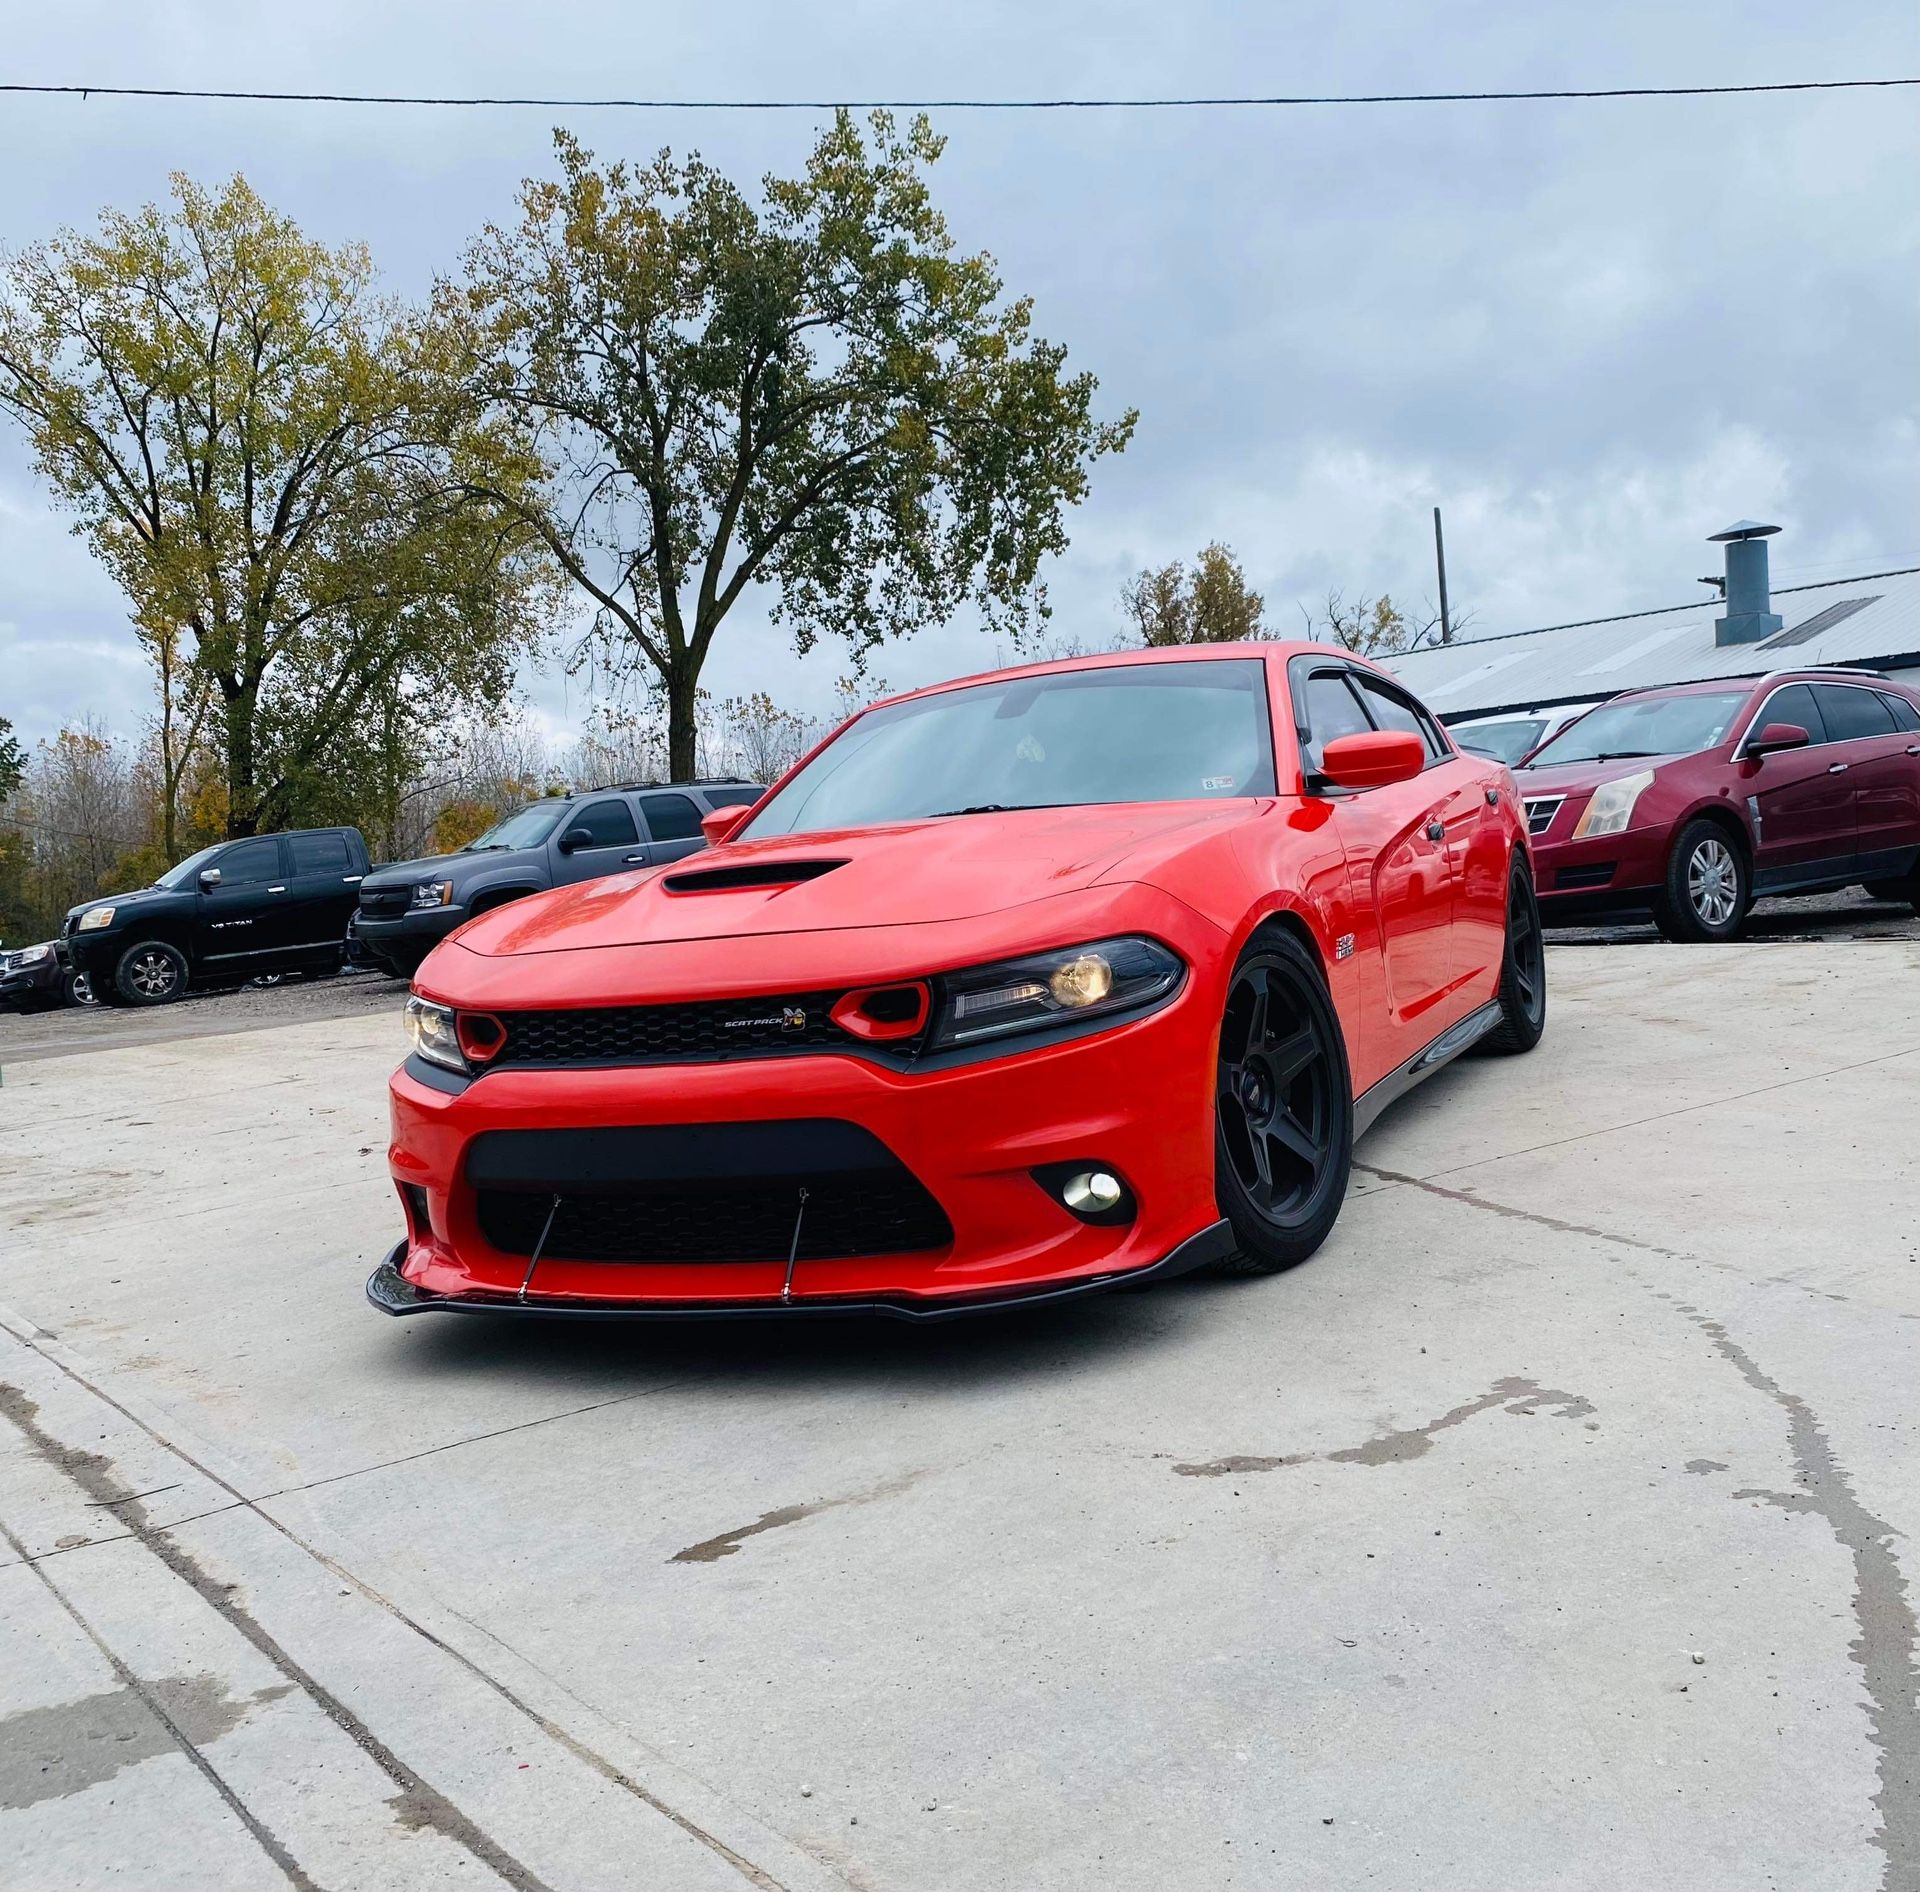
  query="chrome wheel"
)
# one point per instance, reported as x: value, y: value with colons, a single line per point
x: 1275, y: 1091
x: 1713, y: 882
x: 153, y: 974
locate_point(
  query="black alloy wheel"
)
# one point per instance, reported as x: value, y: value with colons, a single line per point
x: 1283, y: 1106
x: 1522, y: 996
x: 152, y: 973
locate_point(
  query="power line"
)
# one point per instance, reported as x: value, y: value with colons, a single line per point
x: 1277, y: 100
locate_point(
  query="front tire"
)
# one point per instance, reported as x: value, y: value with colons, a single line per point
x: 1283, y: 1109
x: 151, y: 973
x: 1522, y: 996
x: 1708, y: 887
x: 1901, y: 892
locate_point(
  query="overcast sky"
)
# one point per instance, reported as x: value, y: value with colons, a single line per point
x: 1592, y: 332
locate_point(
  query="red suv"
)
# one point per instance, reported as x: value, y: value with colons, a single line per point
x: 1697, y: 800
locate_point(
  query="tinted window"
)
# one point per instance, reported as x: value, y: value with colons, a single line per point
x: 609, y: 823
x: 320, y: 854
x: 1332, y: 710
x: 1117, y: 733
x: 1904, y: 713
x: 1645, y: 725
x: 249, y: 863
x: 1852, y: 713
x: 1794, y: 704
x: 1391, y: 710
x: 670, y: 817
x: 733, y: 797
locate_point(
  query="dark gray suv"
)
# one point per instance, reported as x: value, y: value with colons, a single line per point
x: 406, y: 910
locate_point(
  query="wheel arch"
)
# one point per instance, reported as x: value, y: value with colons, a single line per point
x: 490, y: 897
x: 1722, y: 815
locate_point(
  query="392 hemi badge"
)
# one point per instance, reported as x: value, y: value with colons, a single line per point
x: 1343, y: 946
x: 788, y: 1018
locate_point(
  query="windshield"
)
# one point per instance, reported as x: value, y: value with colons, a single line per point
x: 528, y: 828
x: 1645, y: 725
x: 1505, y: 742
x: 185, y: 874
x: 1131, y: 732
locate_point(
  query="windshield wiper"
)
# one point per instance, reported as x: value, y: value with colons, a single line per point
x: 988, y: 808
x: 1623, y: 755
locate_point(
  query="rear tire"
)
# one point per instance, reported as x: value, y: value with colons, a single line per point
x: 151, y: 973
x: 1901, y: 892
x: 1708, y: 887
x: 1283, y: 1109
x: 1522, y: 996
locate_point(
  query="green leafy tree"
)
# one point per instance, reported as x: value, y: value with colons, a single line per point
x: 13, y: 760
x: 284, y: 471
x: 1212, y: 604
x: 815, y: 392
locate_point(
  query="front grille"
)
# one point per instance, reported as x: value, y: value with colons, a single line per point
x: 699, y: 1031
x: 700, y: 1193
x: 384, y: 903
x: 1540, y: 813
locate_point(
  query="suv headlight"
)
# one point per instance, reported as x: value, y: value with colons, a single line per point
x: 432, y: 1035
x: 94, y: 919
x: 432, y: 893
x: 1102, y: 979
x: 1612, y: 805
x: 30, y: 955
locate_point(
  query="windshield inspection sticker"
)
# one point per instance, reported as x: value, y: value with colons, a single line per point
x: 1216, y: 781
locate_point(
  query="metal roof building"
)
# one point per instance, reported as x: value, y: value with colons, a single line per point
x: 1871, y: 622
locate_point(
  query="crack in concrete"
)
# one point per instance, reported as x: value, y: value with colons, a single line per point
x: 712, y: 1549
x: 1523, y: 1397
x: 1885, y: 1649
x: 95, y: 1476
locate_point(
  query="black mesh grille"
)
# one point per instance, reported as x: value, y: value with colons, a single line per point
x: 877, y: 1212
x: 382, y: 903
x: 670, y: 1034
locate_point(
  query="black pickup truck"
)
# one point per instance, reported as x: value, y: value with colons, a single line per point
x: 407, y: 910
x: 270, y: 903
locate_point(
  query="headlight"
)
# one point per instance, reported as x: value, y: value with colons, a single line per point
x: 433, y: 893
x: 1097, y: 980
x: 1612, y: 805
x: 430, y: 1031
x: 94, y: 919
x: 31, y: 955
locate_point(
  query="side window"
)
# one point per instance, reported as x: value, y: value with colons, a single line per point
x: 1852, y: 713
x: 1794, y: 704
x: 1332, y: 710
x: 1391, y: 710
x: 252, y: 863
x: 671, y: 817
x: 1904, y: 714
x: 733, y: 797
x: 319, y: 853
x: 610, y: 823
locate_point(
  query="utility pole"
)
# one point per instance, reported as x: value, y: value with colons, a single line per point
x: 1440, y: 559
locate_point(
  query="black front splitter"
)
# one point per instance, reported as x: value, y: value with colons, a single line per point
x: 392, y: 1293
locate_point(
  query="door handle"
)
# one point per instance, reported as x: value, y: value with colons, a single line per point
x: 1913, y: 748
x: 1436, y: 830
x: 1836, y: 768
x: 630, y: 860
x: 276, y: 890
x: 351, y: 879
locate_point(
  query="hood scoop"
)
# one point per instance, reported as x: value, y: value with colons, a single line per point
x: 749, y: 874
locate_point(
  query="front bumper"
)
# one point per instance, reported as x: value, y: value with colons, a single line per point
x: 40, y: 983
x: 1135, y: 1099
x: 405, y: 939
x: 1608, y: 874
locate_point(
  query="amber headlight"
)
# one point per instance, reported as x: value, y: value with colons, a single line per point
x: 431, y: 1035
x: 1612, y: 805
x: 94, y: 919
x: 1105, y: 978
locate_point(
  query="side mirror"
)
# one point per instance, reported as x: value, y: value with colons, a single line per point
x: 575, y: 839
x: 209, y: 879
x: 1777, y: 736
x: 1373, y: 758
x: 723, y: 822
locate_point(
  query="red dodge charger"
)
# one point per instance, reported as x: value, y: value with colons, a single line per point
x: 1014, y: 988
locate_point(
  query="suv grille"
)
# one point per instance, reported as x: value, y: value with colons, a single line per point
x: 700, y: 1030
x: 379, y: 903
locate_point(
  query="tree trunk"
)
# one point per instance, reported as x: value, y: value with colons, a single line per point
x: 243, y: 813
x: 683, y: 703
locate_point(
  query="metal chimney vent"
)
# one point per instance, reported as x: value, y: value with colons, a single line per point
x: 1750, y: 614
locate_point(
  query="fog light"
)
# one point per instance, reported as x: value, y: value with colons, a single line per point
x: 1091, y: 1192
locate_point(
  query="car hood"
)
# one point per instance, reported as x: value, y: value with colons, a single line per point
x: 133, y: 897
x: 443, y: 866
x: 1568, y: 778
x: 947, y: 868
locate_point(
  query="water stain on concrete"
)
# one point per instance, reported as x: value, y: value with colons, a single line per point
x: 1521, y: 1396
x: 49, y: 1753
x: 710, y: 1550
x: 1239, y: 1462
x: 1703, y: 1465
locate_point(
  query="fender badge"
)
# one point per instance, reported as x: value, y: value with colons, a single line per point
x: 1343, y: 946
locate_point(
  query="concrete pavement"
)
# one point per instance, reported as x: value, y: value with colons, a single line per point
x: 1552, y: 1528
